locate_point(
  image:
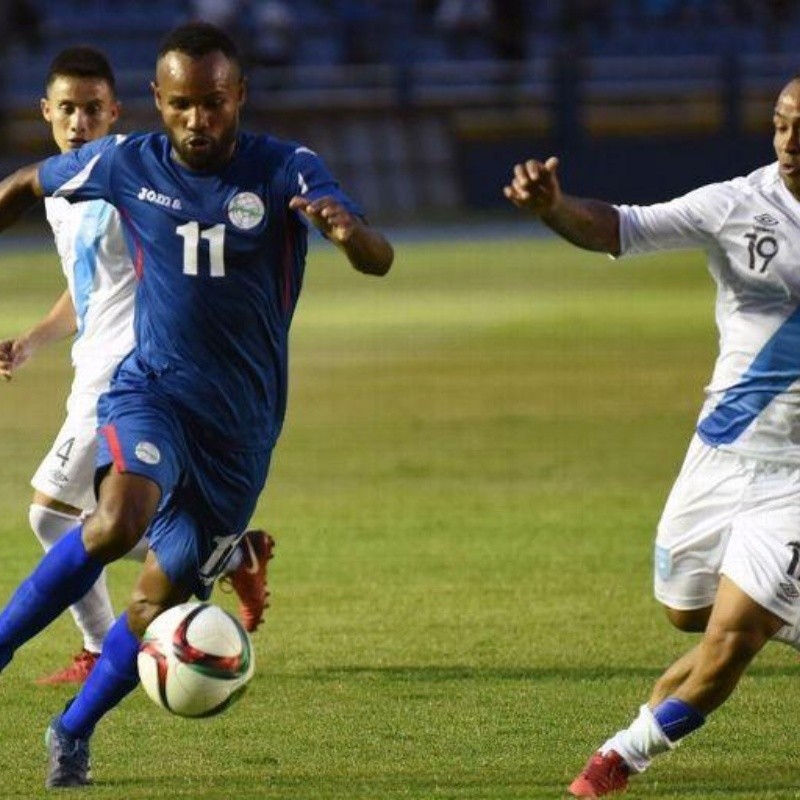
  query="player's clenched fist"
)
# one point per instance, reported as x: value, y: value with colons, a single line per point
x: 13, y: 353
x: 328, y: 215
x: 366, y: 249
x: 6, y: 359
x: 535, y: 186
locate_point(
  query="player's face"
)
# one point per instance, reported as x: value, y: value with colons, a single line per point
x: 79, y: 110
x: 199, y: 100
x: 787, y: 136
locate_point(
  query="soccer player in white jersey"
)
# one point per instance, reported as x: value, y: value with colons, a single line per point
x: 81, y: 105
x: 727, y: 553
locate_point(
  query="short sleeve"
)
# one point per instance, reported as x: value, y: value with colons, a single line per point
x: 693, y: 220
x: 307, y: 175
x: 81, y: 174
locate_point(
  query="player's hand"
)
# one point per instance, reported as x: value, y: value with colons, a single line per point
x: 13, y: 353
x: 327, y: 215
x: 535, y: 186
x: 6, y: 358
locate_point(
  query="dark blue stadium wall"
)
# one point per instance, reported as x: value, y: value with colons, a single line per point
x: 635, y: 170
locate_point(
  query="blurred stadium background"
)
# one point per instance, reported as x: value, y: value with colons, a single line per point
x: 478, y: 448
x: 421, y: 106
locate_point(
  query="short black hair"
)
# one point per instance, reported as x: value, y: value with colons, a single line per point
x: 197, y: 39
x: 81, y: 61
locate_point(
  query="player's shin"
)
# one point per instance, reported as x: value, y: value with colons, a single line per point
x: 114, y: 676
x: 65, y: 574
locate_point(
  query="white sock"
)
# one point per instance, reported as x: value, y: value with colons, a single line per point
x: 50, y: 525
x: 640, y: 742
x: 93, y: 613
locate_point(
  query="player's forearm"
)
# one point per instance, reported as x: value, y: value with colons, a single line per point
x: 368, y: 250
x: 19, y: 192
x: 590, y: 224
x: 59, y: 323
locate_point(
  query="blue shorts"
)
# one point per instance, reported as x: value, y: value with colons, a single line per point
x: 208, y: 493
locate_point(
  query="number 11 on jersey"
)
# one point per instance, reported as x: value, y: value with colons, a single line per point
x: 215, y: 236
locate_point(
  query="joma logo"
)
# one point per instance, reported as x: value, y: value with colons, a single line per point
x: 152, y: 196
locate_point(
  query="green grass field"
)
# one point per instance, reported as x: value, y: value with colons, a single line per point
x: 464, y: 498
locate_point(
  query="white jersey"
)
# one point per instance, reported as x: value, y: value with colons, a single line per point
x: 750, y: 228
x: 102, y: 283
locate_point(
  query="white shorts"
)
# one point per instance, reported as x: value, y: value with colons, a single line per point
x: 735, y: 516
x: 67, y: 471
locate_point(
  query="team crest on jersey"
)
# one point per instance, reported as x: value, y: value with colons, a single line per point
x: 147, y: 453
x: 246, y: 210
x: 766, y: 219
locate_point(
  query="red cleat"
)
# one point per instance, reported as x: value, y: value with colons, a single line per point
x: 602, y: 775
x: 77, y: 672
x: 249, y: 579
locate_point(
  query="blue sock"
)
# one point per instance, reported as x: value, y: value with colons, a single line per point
x: 114, y: 675
x: 677, y: 718
x: 64, y: 575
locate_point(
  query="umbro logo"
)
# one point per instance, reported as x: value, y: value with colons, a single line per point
x: 58, y: 478
x: 787, y: 591
x: 766, y: 219
x: 152, y: 196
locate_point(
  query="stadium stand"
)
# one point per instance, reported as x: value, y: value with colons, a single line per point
x: 394, y: 98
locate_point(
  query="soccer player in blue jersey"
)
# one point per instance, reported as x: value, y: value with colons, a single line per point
x: 80, y: 105
x: 216, y: 220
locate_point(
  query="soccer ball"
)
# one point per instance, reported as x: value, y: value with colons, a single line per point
x: 195, y: 660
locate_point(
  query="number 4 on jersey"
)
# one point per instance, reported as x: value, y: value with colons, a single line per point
x: 64, y: 450
x: 215, y: 236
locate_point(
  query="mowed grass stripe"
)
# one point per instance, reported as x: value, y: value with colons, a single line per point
x: 474, y: 460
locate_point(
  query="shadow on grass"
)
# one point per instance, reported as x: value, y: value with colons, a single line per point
x: 433, y: 672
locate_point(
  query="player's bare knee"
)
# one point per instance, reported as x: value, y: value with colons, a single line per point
x: 109, y: 534
x: 141, y: 612
x: 688, y: 620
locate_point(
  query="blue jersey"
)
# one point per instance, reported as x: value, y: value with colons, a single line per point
x: 220, y: 260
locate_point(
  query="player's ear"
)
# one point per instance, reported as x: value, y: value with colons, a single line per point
x: 156, y: 94
x: 44, y: 105
x: 116, y: 110
x: 242, y: 91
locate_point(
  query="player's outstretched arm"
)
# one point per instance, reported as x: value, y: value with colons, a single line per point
x: 366, y: 248
x: 58, y: 323
x: 19, y: 192
x: 591, y: 224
